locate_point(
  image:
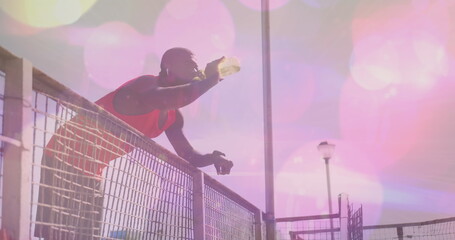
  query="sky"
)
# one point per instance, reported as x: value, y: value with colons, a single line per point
x: 374, y: 77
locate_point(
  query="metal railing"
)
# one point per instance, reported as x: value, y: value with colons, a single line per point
x: 440, y: 229
x: 308, y: 227
x: 348, y: 225
x: 141, y: 192
x: 80, y: 173
x: 228, y: 219
x: 318, y: 227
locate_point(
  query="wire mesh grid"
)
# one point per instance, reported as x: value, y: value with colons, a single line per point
x: 95, y: 179
x: 355, y: 222
x: 437, y: 230
x: 2, y: 91
x: 226, y: 219
x: 308, y: 230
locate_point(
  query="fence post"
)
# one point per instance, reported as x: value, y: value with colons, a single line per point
x: 343, y: 206
x: 400, y: 233
x: 18, y: 138
x: 198, y: 206
x: 258, y: 224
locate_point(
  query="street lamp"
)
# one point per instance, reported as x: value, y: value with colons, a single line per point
x: 326, y: 149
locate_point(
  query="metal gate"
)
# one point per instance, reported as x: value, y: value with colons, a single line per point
x: 355, y: 223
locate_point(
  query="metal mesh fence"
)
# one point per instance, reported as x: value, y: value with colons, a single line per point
x: 309, y: 229
x: 381, y: 234
x: 2, y: 147
x: 95, y: 177
x: 226, y: 219
x: 91, y: 180
x: 355, y: 223
x: 441, y: 229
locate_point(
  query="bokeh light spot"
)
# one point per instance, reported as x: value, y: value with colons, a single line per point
x: 206, y: 28
x: 293, y: 89
x: 114, y: 53
x: 432, y: 55
x: 182, y: 9
x: 320, y: 3
x: 400, y: 44
x: 256, y: 4
x: 302, y: 185
x: 384, y: 124
x: 46, y: 13
x: 375, y: 65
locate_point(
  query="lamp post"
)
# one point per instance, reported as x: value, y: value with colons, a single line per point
x: 326, y: 149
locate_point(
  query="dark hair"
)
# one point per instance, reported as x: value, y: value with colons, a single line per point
x: 169, y: 56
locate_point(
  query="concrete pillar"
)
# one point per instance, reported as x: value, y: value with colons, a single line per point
x: 18, y: 138
x: 344, y: 205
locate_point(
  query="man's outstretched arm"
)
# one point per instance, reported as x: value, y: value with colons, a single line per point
x: 132, y: 99
x: 184, y: 149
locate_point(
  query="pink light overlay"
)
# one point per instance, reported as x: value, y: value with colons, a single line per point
x: 114, y: 53
x: 206, y: 28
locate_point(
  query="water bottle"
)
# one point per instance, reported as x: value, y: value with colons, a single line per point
x: 229, y: 66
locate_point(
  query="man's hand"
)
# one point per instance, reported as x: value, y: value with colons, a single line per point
x: 222, y: 165
x: 211, y: 70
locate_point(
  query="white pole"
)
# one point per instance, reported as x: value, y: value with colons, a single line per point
x: 330, y: 197
x: 268, y: 138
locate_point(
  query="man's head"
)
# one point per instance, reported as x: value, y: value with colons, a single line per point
x: 178, y: 65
